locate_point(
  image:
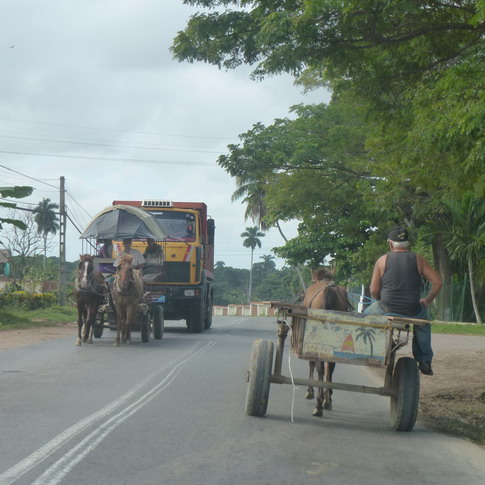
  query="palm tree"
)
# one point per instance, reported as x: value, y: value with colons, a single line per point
x: 252, y: 235
x: 46, y: 220
x: 254, y: 193
x: 466, y: 235
x: 367, y: 335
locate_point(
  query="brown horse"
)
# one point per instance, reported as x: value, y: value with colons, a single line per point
x: 324, y: 294
x: 126, y: 292
x: 90, y: 290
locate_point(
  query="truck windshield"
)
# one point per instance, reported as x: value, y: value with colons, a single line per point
x: 176, y: 224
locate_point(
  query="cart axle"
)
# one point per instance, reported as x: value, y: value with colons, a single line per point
x: 380, y: 391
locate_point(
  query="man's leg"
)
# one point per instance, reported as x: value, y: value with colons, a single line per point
x: 374, y: 309
x: 422, y: 350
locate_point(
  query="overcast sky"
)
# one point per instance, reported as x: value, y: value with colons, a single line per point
x: 89, y: 91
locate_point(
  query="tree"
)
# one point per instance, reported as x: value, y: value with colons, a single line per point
x: 24, y: 241
x: 251, y: 235
x: 466, y: 235
x: 254, y: 193
x: 405, y: 126
x: 46, y: 220
x: 17, y: 192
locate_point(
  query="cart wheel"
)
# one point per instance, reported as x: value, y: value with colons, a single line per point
x: 405, y: 394
x: 145, y: 326
x: 158, y: 323
x: 98, y: 326
x: 259, y: 378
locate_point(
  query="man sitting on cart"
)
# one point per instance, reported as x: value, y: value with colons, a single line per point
x: 153, y: 256
x: 138, y: 259
x: 396, y: 284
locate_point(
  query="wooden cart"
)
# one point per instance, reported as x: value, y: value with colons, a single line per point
x: 350, y: 338
x: 150, y: 317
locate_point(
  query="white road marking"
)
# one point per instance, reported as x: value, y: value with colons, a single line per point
x: 237, y: 322
x: 58, y: 470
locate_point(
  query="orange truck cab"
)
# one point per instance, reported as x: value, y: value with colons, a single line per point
x: 183, y: 282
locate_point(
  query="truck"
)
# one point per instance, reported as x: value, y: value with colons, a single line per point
x: 184, y: 284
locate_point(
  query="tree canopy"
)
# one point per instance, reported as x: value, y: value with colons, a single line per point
x: 405, y: 127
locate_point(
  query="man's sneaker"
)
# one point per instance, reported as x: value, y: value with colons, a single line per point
x: 425, y: 368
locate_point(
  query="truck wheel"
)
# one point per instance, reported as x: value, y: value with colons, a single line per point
x: 158, y: 322
x: 259, y: 375
x: 405, y: 394
x: 208, y: 314
x: 195, y: 319
x: 144, y: 319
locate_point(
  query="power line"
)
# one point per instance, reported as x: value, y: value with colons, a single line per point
x: 27, y: 176
x: 118, y: 131
x: 110, y: 159
x: 106, y: 145
x: 81, y: 138
x: 78, y: 204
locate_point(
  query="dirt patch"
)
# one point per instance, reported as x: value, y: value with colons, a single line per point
x: 452, y: 401
x: 12, y: 339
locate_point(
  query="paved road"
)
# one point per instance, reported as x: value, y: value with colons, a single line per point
x: 172, y: 412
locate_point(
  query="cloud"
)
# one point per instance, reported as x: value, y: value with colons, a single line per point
x: 91, y: 92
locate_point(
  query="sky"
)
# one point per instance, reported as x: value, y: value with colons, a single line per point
x: 90, y: 92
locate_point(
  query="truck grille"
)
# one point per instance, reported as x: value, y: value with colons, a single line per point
x: 175, y: 272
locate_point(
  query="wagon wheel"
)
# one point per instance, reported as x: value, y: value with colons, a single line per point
x: 145, y: 326
x: 98, y: 326
x: 259, y: 378
x: 405, y: 394
x: 158, y: 322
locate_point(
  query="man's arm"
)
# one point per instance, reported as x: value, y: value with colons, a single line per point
x: 432, y: 276
x: 375, y: 284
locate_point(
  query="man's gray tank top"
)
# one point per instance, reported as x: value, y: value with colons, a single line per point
x: 401, y: 284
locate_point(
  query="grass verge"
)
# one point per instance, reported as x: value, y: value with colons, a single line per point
x: 11, y: 319
x: 458, y: 328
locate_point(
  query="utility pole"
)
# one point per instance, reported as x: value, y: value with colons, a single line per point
x: 62, y: 243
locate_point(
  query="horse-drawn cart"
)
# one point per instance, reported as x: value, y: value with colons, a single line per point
x: 341, y: 337
x: 150, y: 318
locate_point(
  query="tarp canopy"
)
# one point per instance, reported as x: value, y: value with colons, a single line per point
x: 122, y: 222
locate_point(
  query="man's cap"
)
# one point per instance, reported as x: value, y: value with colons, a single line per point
x: 398, y: 234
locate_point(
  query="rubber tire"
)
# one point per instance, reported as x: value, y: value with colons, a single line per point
x: 158, y: 323
x: 98, y: 326
x: 259, y: 377
x: 405, y: 398
x: 208, y: 314
x: 195, y: 319
x: 145, y: 327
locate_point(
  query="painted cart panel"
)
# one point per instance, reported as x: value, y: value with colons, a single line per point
x: 344, y: 337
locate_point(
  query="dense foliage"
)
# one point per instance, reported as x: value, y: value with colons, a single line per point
x: 401, y: 141
x: 231, y: 285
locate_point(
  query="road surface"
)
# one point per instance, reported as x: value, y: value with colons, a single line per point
x: 172, y: 412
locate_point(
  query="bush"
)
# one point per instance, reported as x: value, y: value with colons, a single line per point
x: 27, y: 301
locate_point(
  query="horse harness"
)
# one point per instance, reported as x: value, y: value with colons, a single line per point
x: 328, y: 285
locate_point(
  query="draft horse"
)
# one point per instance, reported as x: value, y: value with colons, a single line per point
x: 324, y: 294
x: 90, y: 291
x: 126, y: 293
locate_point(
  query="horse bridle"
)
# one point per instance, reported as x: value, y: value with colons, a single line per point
x: 91, y: 288
x: 116, y: 286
